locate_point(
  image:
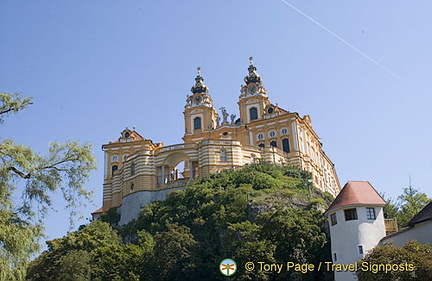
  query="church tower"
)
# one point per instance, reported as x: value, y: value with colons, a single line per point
x: 199, y: 115
x: 253, y: 100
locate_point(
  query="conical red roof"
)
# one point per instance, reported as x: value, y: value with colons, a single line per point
x: 357, y: 193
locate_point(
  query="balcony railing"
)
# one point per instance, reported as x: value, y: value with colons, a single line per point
x: 176, y: 146
x: 391, y: 226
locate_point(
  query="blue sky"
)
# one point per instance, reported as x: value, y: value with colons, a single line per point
x: 96, y: 67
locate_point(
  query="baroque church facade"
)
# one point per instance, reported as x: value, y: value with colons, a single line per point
x: 138, y: 171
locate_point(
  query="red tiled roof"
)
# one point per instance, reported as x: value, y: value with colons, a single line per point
x: 357, y: 193
x: 98, y: 211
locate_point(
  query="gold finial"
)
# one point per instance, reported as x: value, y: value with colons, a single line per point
x: 199, y: 70
x: 251, y: 60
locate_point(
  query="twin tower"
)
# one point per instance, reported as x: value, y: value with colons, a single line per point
x: 138, y: 171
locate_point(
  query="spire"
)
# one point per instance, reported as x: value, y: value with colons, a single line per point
x: 199, y: 86
x: 253, y: 76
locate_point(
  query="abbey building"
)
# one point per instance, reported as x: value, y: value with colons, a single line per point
x: 139, y: 171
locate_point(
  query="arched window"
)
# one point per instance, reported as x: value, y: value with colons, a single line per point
x: 114, y: 168
x: 132, y: 169
x: 197, y: 123
x: 273, y: 143
x: 223, y: 155
x: 285, y: 145
x: 253, y: 113
x: 261, y: 145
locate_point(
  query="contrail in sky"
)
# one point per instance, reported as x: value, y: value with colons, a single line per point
x: 345, y: 42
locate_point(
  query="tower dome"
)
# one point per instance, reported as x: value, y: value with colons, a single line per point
x: 199, y: 86
x: 252, y: 76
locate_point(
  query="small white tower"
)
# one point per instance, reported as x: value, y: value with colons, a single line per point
x: 356, y: 225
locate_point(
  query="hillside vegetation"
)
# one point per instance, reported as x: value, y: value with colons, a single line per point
x: 261, y: 213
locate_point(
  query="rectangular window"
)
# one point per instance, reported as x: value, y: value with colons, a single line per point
x: 350, y: 214
x: 361, y: 250
x: 370, y: 213
x: 333, y: 219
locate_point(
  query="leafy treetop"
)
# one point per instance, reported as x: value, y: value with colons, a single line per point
x: 35, y: 176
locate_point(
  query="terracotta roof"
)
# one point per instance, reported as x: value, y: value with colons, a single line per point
x: 424, y: 215
x: 357, y: 193
x: 98, y: 211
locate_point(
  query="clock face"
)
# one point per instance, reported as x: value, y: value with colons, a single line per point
x: 197, y: 99
x: 252, y: 89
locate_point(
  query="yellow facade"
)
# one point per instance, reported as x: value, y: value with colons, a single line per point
x: 213, y: 143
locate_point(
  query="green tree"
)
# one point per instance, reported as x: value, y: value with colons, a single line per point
x: 118, y: 262
x: 298, y: 237
x: 174, y: 253
x: 413, y: 261
x: 51, y: 264
x: 124, y: 262
x: 261, y: 213
x: 244, y: 242
x: 74, y: 266
x: 391, y: 210
x: 411, y: 202
x: 66, y: 167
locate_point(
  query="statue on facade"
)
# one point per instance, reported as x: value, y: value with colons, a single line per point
x: 232, y: 116
x: 224, y: 115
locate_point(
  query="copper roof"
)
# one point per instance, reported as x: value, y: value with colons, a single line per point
x: 357, y: 193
